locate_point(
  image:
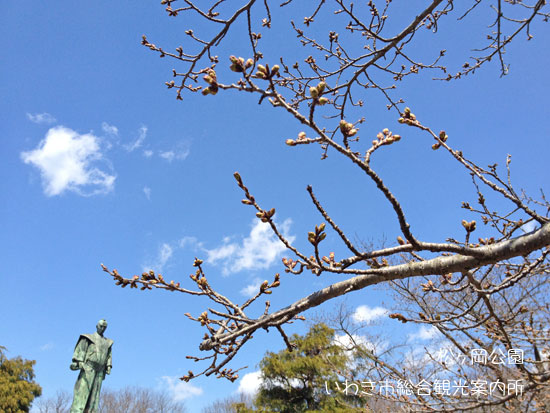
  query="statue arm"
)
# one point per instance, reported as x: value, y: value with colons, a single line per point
x: 109, y: 362
x: 79, y: 353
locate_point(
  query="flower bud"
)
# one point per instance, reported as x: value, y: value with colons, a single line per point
x: 321, y: 87
x: 290, y: 142
x: 313, y: 92
x: 323, y: 101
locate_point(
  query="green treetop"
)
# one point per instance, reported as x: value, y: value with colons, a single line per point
x: 298, y: 380
x: 17, y: 386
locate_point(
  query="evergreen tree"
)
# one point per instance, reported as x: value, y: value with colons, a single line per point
x: 17, y: 386
x: 297, y: 381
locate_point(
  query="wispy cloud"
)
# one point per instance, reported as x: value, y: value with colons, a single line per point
x: 424, y: 333
x: 180, y: 390
x: 66, y: 162
x: 41, y: 118
x: 253, y: 288
x: 147, y: 153
x: 174, y: 155
x: 147, y: 192
x: 366, y: 314
x: 188, y: 241
x: 530, y: 226
x: 347, y: 342
x: 111, y: 130
x: 142, y: 134
x: 250, y: 383
x: 258, y: 250
x: 47, y: 346
x: 164, y: 254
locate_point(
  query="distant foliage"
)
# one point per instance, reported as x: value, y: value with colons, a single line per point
x: 297, y: 381
x: 240, y: 403
x: 127, y: 400
x: 17, y: 386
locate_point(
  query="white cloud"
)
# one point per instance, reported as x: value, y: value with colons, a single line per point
x: 168, y: 155
x: 180, y: 390
x: 164, y: 254
x: 47, y: 346
x: 41, y: 118
x: 367, y: 314
x: 424, y: 333
x: 530, y: 226
x: 345, y: 341
x: 65, y: 160
x: 252, y: 289
x: 109, y: 129
x: 250, y: 383
x: 258, y: 251
x: 171, y: 155
x: 147, y: 153
x: 179, y: 153
x: 147, y: 192
x: 189, y: 241
x: 142, y: 134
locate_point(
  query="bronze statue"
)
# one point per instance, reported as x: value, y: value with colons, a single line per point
x: 92, y: 356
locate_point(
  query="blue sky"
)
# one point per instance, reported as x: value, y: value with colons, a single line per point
x: 101, y: 164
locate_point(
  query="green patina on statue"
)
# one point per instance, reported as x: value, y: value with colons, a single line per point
x: 92, y: 356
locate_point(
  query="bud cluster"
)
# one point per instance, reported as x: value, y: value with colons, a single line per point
x: 486, y: 241
x: 407, y: 117
x: 212, y: 81
x: 469, y: 226
x: 265, y: 73
x: 429, y: 286
x: 331, y: 261
x: 239, y: 65
x: 347, y: 129
x: 399, y: 317
x: 289, y: 263
x: 386, y: 137
x: 265, y: 216
x: 442, y: 137
x: 292, y: 142
x: 317, y: 236
x: 265, y: 285
x: 446, y: 278
x: 316, y: 91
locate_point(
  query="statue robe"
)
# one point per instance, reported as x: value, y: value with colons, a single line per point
x: 93, y: 355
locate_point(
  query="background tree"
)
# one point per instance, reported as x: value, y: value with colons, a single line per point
x: 234, y: 404
x: 129, y: 399
x: 463, y: 285
x: 298, y: 380
x: 60, y: 403
x: 17, y: 386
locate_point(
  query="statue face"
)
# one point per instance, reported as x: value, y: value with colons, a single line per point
x: 101, y: 326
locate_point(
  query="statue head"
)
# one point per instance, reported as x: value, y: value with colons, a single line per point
x: 101, y: 326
